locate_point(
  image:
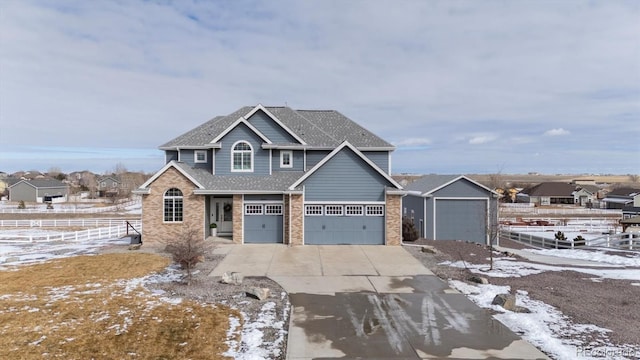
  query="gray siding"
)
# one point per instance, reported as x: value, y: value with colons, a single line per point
x: 271, y: 129
x: 22, y: 192
x: 298, y: 161
x: 223, y: 155
x: 380, y: 158
x: 315, y: 156
x: 171, y: 155
x: 415, y: 204
x: 187, y: 156
x: 263, y: 197
x: 345, y: 177
x: 462, y: 188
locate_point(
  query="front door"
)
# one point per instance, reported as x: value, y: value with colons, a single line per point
x: 222, y: 215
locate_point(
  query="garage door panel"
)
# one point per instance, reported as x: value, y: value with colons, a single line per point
x: 344, y: 229
x: 263, y: 227
x: 461, y: 220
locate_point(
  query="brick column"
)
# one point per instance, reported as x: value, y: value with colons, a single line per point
x: 297, y: 220
x: 238, y: 218
x: 393, y: 219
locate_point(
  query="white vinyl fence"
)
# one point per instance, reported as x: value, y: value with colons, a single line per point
x: 52, y: 223
x: 627, y: 241
x: 71, y: 209
x: 76, y: 236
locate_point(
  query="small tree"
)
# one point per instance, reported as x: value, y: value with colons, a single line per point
x: 409, y: 232
x: 188, y: 250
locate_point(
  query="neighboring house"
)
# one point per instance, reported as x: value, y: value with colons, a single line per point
x: 625, y: 198
x: 276, y: 175
x: 548, y: 193
x: 451, y: 207
x: 586, y: 195
x: 39, y: 190
x: 108, y: 186
x: 6, y: 182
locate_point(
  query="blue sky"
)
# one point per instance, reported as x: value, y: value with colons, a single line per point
x: 457, y: 86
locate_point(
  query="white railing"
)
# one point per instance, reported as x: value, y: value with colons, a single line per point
x: 76, y: 236
x: 72, y: 209
x: 52, y: 223
x: 560, y: 211
x: 569, y: 228
x: 619, y: 241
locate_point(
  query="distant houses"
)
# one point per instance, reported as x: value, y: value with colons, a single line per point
x: 39, y: 190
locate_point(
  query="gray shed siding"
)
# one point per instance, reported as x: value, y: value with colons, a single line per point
x: 298, y: 161
x: 271, y: 129
x: 22, y: 192
x: 380, y: 158
x: 260, y: 156
x: 345, y: 177
x: 461, y: 188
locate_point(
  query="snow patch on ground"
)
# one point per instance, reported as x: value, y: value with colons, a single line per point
x: 546, y: 327
x: 633, y: 259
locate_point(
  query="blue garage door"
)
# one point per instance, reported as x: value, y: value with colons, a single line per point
x: 263, y: 223
x: 344, y: 224
x: 461, y: 220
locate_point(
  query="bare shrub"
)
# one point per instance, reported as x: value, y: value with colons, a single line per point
x: 188, y: 250
x: 409, y: 232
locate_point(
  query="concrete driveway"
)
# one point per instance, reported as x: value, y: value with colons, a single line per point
x: 373, y: 302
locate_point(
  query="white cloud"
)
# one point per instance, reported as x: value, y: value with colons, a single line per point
x: 482, y: 139
x: 413, y: 142
x: 557, y: 132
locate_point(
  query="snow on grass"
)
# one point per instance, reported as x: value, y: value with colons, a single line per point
x: 546, y: 327
x: 251, y: 345
x: 633, y: 259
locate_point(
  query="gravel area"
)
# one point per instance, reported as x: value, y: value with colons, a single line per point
x: 607, y: 303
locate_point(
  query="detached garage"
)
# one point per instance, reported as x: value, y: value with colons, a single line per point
x: 451, y: 207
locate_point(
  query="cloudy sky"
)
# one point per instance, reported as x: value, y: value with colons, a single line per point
x: 458, y: 86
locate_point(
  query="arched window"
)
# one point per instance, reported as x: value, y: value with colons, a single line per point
x: 173, y: 205
x: 242, y: 157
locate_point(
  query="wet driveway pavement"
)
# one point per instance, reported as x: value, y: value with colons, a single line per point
x: 373, y: 302
x: 434, y: 322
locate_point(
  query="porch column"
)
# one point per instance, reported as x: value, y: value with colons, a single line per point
x: 238, y: 218
x: 393, y: 219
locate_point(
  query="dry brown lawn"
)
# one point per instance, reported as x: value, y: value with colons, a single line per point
x: 94, y: 307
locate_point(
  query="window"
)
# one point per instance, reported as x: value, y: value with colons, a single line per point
x: 114, y: 184
x: 253, y: 209
x: 334, y: 210
x: 200, y: 156
x: 313, y: 210
x: 353, y: 210
x: 242, y: 157
x: 173, y: 205
x: 273, y: 209
x: 375, y: 210
x: 286, y: 159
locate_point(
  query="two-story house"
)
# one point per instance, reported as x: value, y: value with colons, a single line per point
x: 276, y: 175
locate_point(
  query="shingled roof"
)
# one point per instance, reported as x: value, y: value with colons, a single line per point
x: 317, y: 128
x: 555, y: 189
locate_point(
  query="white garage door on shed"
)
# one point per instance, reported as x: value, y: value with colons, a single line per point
x: 461, y: 219
x: 340, y: 224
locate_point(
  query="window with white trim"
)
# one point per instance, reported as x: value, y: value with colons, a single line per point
x: 313, y: 210
x: 273, y: 209
x: 200, y: 156
x: 286, y: 158
x: 253, y: 209
x: 334, y: 210
x: 173, y: 205
x: 242, y: 157
x: 375, y: 210
x: 353, y: 210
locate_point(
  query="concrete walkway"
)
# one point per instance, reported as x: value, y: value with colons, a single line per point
x: 373, y: 302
